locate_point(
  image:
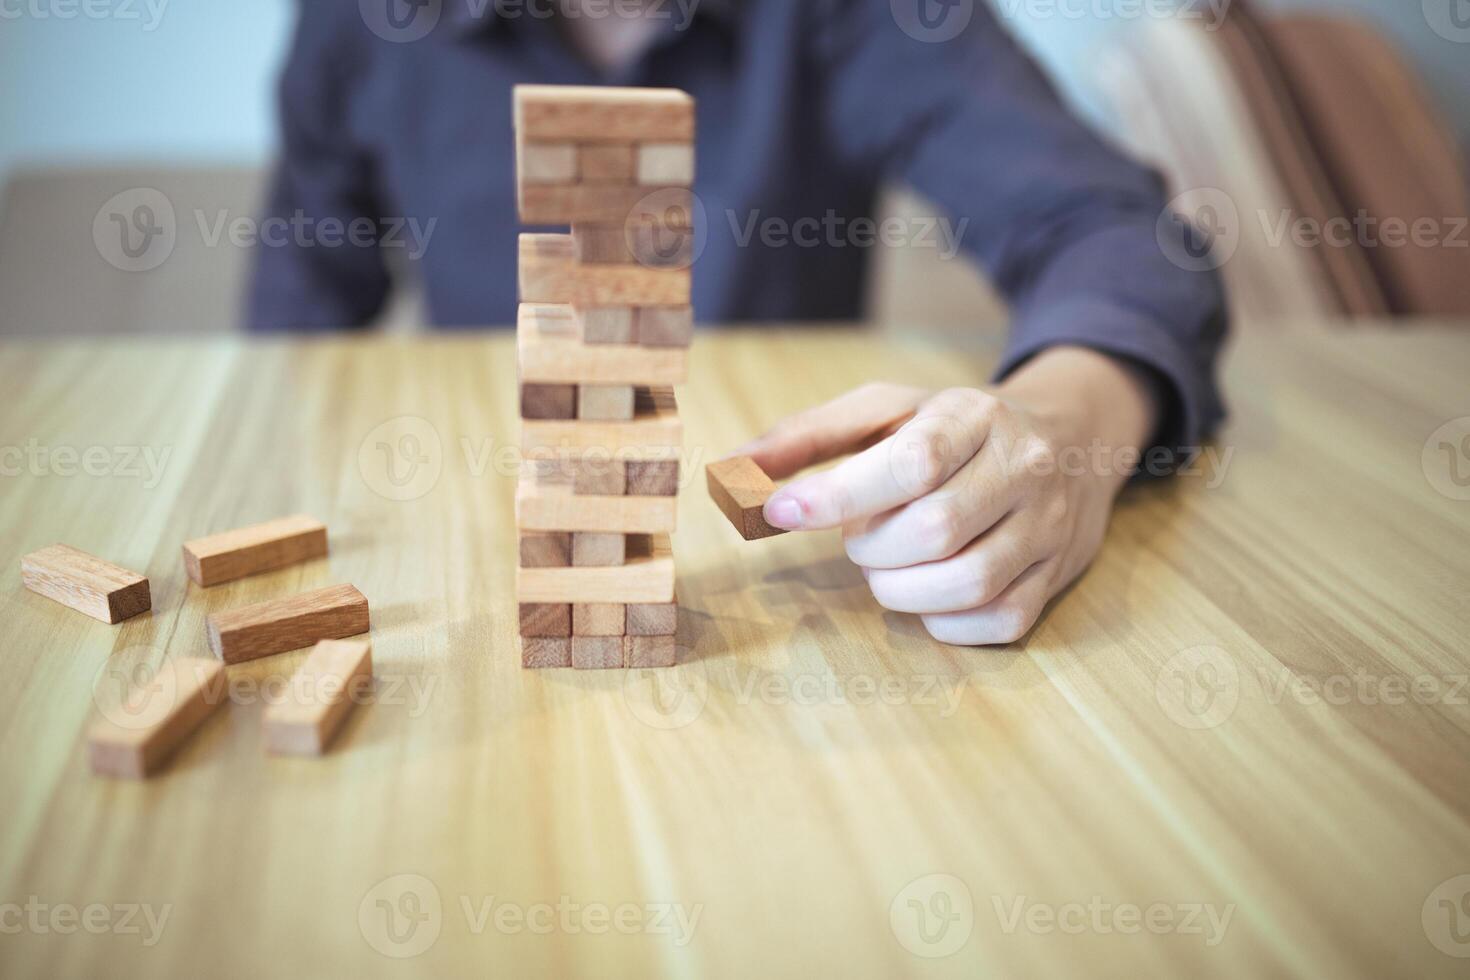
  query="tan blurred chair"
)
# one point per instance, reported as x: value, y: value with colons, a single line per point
x: 1301, y: 117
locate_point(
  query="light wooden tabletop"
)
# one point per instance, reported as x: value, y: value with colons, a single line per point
x: 1239, y: 746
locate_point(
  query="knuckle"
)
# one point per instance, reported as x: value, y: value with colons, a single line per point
x: 940, y: 529
x: 979, y: 585
x: 1011, y: 621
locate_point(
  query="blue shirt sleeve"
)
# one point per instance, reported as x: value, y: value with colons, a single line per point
x: 318, y: 264
x: 1067, y: 227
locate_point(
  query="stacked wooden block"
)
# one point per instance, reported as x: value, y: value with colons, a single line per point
x: 602, y: 337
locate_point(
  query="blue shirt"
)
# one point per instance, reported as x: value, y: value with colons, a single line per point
x: 804, y: 109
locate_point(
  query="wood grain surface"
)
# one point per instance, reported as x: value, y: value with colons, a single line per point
x: 1237, y: 747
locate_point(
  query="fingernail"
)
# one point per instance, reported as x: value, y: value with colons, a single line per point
x: 784, y: 512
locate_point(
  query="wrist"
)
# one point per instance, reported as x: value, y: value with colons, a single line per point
x: 1087, y: 397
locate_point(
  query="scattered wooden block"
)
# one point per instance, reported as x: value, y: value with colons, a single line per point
x: 599, y: 619
x: 86, y: 583
x: 740, y: 489
x: 654, y: 433
x: 229, y: 555
x: 546, y: 651
x: 605, y: 403
x: 649, y: 651
x: 549, y: 505
x: 652, y: 619
x: 597, y: 113
x: 297, y: 621
x: 597, y: 652
x: 606, y: 162
x: 609, y: 325
x: 666, y: 326
x: 546, y: 619
x: 598, y: 549
x: 605, y: 204
x: 651, y: 477
x: 319, y: 697
x: 547, y: 163
x: 647, y: 576
x: 550, y: 273
x: 600, y: 477
x: 548, y: 401
x: 666, y: 164
x: 552, y: 350
x: 545, y: 549
x: 161, y: 714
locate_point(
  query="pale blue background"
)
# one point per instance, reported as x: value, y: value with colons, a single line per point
x: 197, y: 89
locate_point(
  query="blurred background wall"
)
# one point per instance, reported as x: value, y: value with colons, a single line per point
x: 179, y: 94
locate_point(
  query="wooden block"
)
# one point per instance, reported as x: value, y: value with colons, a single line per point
x: 244, y: 551
x: 605, y: 403
x: 161, y: 714
x: 658, y: 244
x: 647, y: 576
x: 652, y: 619
x: 297, y: 621
x: 550, y: 273
x: 545, y: 549
x: 86, y: 583
x: 548, y: 401
x: 551, y: 349
x: 649, y: 651
x: 665, y: 326
x: 598, y: 549
x: 606, y: 162
x: 597, y: 652
x: 547, y: 163
x: 546, y: 619
x: 609, y: 325
x: 741, y: 488
x: 543, y: 505
x: 655, y: 432
x: 546, y: 651
x: 652, y: 478
x: 666, y: 164
x: 605, y: 204
x: 606, y: 114
x: 599, y: 619
x: 599, y: 477
x: 322, y: 692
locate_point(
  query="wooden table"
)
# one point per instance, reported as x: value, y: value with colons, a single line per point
x: 1239, y: 747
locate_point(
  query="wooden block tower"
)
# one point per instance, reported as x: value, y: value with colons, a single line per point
x: 602, y: 337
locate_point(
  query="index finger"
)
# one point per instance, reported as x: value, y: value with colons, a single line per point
x: 926, y: 451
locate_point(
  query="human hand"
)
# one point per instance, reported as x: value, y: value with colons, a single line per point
x: 958, y: 509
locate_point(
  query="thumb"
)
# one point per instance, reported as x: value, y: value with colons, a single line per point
x: 845, y: 424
